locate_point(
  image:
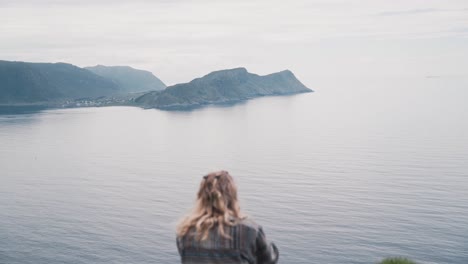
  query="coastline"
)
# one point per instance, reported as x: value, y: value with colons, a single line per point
x: 22, y: 108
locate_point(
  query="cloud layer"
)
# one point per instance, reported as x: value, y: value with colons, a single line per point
x: 179, y: 40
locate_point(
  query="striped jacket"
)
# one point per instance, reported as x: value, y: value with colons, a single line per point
x: 248, y: 245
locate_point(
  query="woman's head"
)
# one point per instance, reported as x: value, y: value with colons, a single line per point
x: 216, y: 206
x: 218, y: 194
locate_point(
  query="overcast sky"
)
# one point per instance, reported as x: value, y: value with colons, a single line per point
x: 179, y: 40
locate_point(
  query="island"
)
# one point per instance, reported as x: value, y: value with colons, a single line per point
x: 222, y: 87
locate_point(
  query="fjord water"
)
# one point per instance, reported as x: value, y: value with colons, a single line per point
x: 359, y: 170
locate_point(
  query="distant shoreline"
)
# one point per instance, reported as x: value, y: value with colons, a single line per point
x: 85, y: 103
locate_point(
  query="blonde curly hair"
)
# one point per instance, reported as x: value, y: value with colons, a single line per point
x: 216, y: 207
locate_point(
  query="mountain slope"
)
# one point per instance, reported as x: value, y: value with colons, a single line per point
x: 223, y: 87
x: 128, y: 78
x: 24, y: 82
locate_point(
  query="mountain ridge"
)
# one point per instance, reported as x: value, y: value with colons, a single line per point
x: 30, y: 82
x: 222, y: 86
x: 66, y: 85
x: 128, y: 78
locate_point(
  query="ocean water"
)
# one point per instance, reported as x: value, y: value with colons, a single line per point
x: 360, y: 170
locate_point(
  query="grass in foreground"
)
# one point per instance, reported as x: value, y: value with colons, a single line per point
x: 397, y: 261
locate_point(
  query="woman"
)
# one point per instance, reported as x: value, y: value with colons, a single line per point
x: 216, y: 232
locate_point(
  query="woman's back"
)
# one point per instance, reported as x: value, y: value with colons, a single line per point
x: 247, y: 244
x: 216, y: 232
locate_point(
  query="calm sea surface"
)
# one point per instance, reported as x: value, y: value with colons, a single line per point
x: 355, y: 172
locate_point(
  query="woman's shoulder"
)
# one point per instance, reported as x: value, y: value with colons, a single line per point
x: 248, y: 222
